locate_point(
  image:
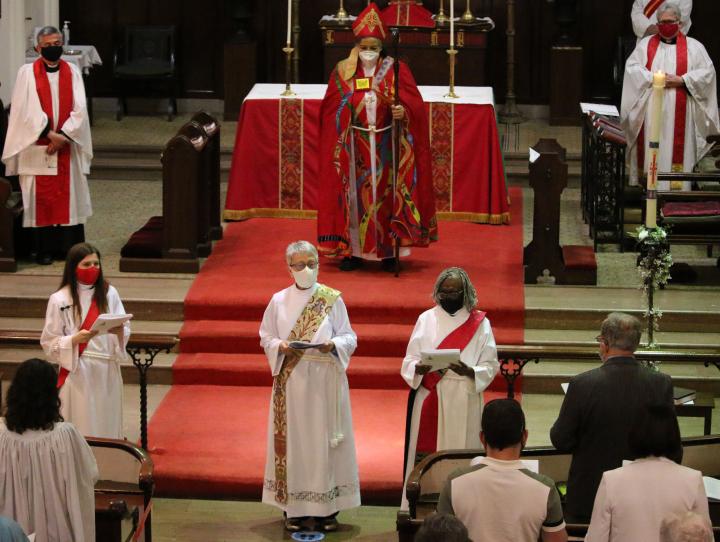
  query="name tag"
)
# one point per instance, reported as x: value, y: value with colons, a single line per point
x: 362, y: 84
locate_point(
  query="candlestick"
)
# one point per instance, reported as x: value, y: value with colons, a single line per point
x: 289, y: 22
x: 451, y: 91
x: 452, y: 24
x: 288, y: 50
x: 441, y: 18
x: 341, y: 13
x: 654, y: 146
x: 467, y: 17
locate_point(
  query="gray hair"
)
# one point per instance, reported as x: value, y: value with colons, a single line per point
x: 687, y: 527
x: 469, y: 293
x: 669, y: 6
x: 47, y: 31
x: 621, y: 331
x: 300, y: 247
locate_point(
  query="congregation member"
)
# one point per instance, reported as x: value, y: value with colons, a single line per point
x: 47, y: 469
x: 444, y: 406
x: 599, y: 409
x: 442, y: 528
x: 310, y: 470
x: 689, y: 106
x: 687, y: 527
x: 10, y: 531
x: 497, y: 498
x: 90, y: 381
x: 48, y: 111
x: 362, y: 212
x: 632, y: 501
x: 644, y: 17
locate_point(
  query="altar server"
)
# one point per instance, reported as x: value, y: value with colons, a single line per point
x: 690, y: 107
x: 48, y: 109
x: 445, y: 406
x: 310, y: 470
x: 90, y: 382
x: 47, y: 470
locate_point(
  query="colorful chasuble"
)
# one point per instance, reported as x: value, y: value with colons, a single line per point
x: 355, y: 151
x: 678, y: 146
x: 651, y: 7
x: 316, y: 310
x: 92, y: 315
x: 428, y: 429
x: 52, y: 192
x: 407, y: 13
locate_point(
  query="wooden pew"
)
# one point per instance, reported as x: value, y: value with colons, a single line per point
x: 123, y: 493
x: 428, y: 477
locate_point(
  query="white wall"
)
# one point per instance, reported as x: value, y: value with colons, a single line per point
x: 43, y: 12
x: 12, y: 44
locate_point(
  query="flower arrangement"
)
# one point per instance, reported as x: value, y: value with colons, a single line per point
x: 653, y: 263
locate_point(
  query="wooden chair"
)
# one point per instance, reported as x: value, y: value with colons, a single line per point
x: 123, y: 493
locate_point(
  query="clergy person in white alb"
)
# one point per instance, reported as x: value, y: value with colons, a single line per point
x: 48, y: 109
x: 644, y: 16
x: 445, y: 406
x: 311, y: 470
x: 690, y: 108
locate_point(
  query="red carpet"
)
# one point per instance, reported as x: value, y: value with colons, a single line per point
x: 208, y: 436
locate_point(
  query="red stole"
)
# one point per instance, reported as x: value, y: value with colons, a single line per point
x: 681, y: 65
x: 52, y: 192
x: 92, y: 315
x: 459, y: 338
x: 651, y: 7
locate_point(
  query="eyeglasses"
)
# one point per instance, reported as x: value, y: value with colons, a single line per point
x: 450, y: 294
x: 312, y: 264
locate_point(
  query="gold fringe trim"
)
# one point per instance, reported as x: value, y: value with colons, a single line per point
x: 263, y: 212
x: 480, y: 218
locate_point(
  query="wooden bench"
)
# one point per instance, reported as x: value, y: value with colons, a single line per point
x: 123, y: 492
x: 428, y: 477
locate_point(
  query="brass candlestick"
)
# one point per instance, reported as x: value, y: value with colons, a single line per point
x: 451, y: 93
x: 467, y: 17
x: 288, y: 50
x: 441, y: 18
x: 341, y: 13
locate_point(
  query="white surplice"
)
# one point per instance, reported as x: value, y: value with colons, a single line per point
x: 47, y: 481
x: 701, y: 118
x: 322, y: 474
x: 92, y: 396
x: 27, y: 121
x: 641, y: 23
x: 460, y: 399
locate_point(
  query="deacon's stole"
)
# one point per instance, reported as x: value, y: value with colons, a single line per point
x: 383, y: 215
x: 651, y: 7
x: 312, y: 316
x: 681, y: 66
x: 459, y: 338
x: 90, y: 318
x: 52, y: 192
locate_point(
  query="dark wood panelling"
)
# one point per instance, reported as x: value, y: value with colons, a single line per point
x: 203, y: 29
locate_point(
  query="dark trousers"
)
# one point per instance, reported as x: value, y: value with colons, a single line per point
x: 56, y: 240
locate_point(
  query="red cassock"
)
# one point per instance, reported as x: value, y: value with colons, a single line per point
x: 356, y: 169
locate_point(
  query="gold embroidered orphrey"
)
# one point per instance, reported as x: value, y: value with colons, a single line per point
x: 307, y: 324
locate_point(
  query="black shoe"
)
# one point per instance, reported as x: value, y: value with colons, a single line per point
x: 328, y: 524
x: 293, y: 525
x: 43, y: 258
x: 388, y: 264
x: 351, y: 263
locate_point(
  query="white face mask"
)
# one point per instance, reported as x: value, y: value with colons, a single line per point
x: 305, y: 278
x: 369, y: 57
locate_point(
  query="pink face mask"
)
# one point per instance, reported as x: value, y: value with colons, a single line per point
x: 668, y: 30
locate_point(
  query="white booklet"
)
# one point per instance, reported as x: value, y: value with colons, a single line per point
x: 36, y: 161
x: 300, y: 345
x: 106, y: 322
x: 440, y: 359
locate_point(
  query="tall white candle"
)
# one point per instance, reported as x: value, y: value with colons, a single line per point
x: 289, y: 21
x: 654, y: 140
x: 452, y: 24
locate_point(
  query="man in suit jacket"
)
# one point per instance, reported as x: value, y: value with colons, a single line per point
x: 599, y: 409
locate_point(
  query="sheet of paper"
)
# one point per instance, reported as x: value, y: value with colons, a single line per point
x: 534, y: 155
x: 565, y: 386
x: 106, y: 322
x: 600, y: 109
x: 31, y: 537
x: 36, y: 161
x: 440, y: 359
x: 712, y: 487
x: 299, y: 345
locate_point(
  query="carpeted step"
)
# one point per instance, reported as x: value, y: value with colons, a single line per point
x: 233, y: 336
x: 253, y: 370
x: 213, y: 441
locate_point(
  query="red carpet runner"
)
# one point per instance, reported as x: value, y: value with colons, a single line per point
x: 208, y: 436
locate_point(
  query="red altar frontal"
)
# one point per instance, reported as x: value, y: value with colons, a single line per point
x: 275, y: 162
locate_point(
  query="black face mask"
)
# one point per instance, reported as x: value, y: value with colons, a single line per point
x: 452, y: 305
x: 52, y: 53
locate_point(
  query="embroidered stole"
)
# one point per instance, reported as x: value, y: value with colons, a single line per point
x: 651, y: 7
x: 681, y: 65
x: 92, y: 315
x: 317, y: 308
x: 428, y: 429
x: 52, y: 192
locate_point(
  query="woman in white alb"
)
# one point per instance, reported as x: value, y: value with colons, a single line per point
x: 90, y: 382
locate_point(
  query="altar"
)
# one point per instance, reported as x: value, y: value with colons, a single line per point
x: 276, y: 163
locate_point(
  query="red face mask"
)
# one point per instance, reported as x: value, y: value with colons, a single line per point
x: 668, y: 30
x: 87, y: 275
